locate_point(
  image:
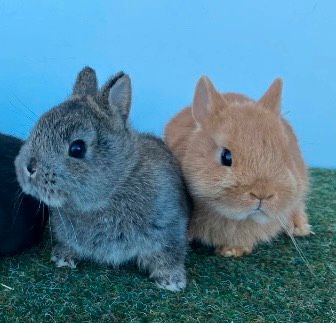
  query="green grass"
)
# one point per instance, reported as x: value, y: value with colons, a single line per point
x: 272, y: 284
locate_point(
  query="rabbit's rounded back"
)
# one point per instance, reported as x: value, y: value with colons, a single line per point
x: 220, y: 129
x: 22, y: 218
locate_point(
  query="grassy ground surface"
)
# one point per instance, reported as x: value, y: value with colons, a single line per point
x: 272, y: 284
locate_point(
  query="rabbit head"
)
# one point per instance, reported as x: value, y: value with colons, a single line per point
x: 80, y: 149
x: 240, y: 159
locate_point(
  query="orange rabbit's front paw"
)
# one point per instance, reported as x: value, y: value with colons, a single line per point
x: 301, y: 227
x: 233, y: 251
x: 302, y: 231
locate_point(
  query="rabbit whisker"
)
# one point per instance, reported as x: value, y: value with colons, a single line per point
x: 63, y: 223
x: 17, y: 206
x: 297, y: 247
x: 72, y: 226
x: 24, y: 113
x: 50, y: 230
x: 25, y: 106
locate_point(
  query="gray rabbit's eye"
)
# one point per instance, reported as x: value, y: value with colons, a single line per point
x: 77, y: 149
x: 226, y: 157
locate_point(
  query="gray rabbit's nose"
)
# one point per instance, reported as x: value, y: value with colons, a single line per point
x: 31, y: 167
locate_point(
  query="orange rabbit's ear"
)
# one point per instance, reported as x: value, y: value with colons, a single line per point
x: 204, y: 100
x: 272, y: 98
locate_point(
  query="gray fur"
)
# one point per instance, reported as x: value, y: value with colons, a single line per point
x: 125, y: 201
x: 86, y: 83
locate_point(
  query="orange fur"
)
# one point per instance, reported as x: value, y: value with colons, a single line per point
x: 266, y: 163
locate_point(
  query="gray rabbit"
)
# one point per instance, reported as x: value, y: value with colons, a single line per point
x: 115, y: 195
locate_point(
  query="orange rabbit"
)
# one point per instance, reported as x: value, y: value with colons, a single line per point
x: 243, y: 167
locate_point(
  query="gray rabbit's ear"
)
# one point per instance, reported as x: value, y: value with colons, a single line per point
x: 86, y: 83
x: 117, y: 95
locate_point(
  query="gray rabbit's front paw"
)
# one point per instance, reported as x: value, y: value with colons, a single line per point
x: 174, y: 280
x: 63, y: 257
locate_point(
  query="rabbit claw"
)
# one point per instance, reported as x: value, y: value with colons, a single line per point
x: 233, y: 251
x: 63, y: 262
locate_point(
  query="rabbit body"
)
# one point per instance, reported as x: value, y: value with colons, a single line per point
x: 243, y: 167
x: 123, y: 199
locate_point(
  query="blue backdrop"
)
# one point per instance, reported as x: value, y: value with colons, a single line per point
x: 165, y: 46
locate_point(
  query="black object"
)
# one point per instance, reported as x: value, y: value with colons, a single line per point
x: 226, y: 157
x: 22, y: 218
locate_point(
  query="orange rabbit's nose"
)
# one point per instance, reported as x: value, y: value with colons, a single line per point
x: 260, y: 196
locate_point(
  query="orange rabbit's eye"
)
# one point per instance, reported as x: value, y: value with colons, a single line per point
x: 226, y: 157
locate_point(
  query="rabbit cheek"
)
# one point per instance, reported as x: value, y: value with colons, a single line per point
x: 44, y: 187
